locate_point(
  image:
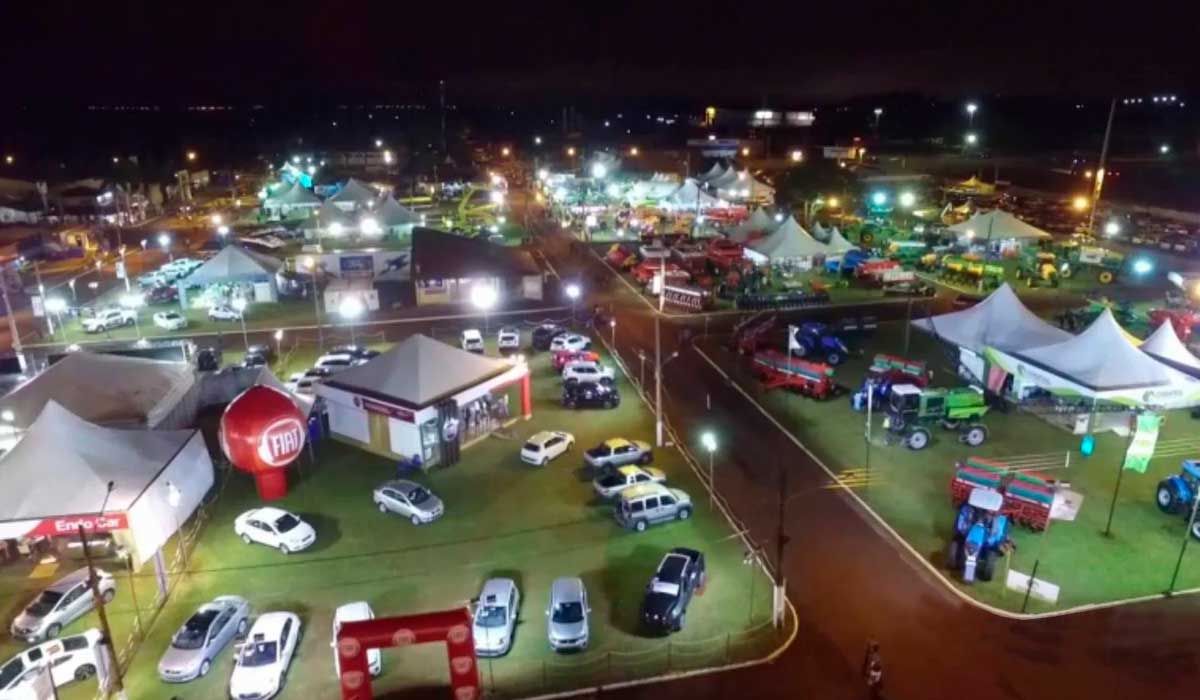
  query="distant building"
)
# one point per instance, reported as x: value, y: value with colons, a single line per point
x: 446, y: 267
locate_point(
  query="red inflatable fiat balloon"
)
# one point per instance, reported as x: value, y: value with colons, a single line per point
x: 263, y: 431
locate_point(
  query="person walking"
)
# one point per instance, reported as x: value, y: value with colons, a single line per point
x: 872, y: 670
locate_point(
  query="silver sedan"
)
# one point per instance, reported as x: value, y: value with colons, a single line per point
x: 409, y: 499
x: 202, y: 638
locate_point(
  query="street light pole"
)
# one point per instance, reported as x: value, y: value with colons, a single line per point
x: 1099, y: 178
x: 99, y: 604
x: 1187, y: 535
x: 658, y: 421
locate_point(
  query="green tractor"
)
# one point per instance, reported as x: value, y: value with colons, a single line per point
x: 912, y: 411
x: 1106, y: 264
x: 907, y: 253
x: 1039, y: 268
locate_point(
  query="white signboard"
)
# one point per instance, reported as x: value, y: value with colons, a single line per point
x: 1042, y: 590
x: 120, y: 269
x: 39, y: 308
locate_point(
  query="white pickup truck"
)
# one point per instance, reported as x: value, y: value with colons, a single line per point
x: 109, y: 318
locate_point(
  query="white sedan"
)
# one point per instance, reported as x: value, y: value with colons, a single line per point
x: 170, y: 320
x: 221, y: 312
x: 572, y: 342
x: 262, y: 661
x: 275, y: 527
x: 544, y: 446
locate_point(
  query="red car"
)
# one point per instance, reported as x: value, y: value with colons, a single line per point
x: 562, y: 357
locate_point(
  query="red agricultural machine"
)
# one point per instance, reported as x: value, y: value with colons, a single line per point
x: 779, y: 370
x: 1028, y: 496
x: 1184, y: 320
x: 724, y: 253
x: 749, y: 334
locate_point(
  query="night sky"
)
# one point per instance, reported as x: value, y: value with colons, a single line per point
x: 510, y: 51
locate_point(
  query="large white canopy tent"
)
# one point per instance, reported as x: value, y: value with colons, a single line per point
x: 999, y: 321
x: 297, y: 198
x: 997, y: 225
x: 1165, y: 346
x: 57, y: 477
x: 232, y: 265
x: 1099, y: 364
x: 787, y: 244
x: 689, y: 197
x: 109, y: 390
x: 354, y: 196
x: 716, y: 171
x: 837, y: 244
x: 760, y: 222
x: 395, y: 218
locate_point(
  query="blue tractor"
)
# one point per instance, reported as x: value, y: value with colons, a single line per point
x: 1177, y: 493
x: 980, y: 536
x: 816, y: 341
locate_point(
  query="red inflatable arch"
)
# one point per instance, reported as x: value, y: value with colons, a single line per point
x: 453, y: 627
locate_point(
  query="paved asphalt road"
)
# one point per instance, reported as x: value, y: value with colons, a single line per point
x: 850, y: 582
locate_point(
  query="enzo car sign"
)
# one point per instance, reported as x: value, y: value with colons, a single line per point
x: 69, y: 525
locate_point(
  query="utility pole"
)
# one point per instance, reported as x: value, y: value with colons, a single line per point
x: 1099, y: 179
x: 781, y: 540
x: 99, y: 604
x: 658, y: 419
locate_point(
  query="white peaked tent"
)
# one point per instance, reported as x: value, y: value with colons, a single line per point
x: 1164, y: 345
x: 685, y: 198
x: 997, y: 225
x: 820, y: 233
x: 787, y: 243
x: 999, y: 321
x: 837, y: 243
x: 1100, y: 364
x: 717, y: 170
x: 396, y: 218
x: 730, y: 179
x: 62, y: 465
x: 295, y: 197
x: 654, y: 189
x: 758, y: 222
x: 354, y: 195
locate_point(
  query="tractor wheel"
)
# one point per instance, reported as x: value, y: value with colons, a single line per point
x: 954, y: 555
x: 1028, y: 281
x: 834, y: 358
x: 918, y: 439
x: 1165, y: 498
x: 1018, y: 273
x: 1067, y: 272
x: 987, y: 566
x: 1105, y: 277
x: 866, y: 238
x: 1196, y: 530
x: 975, y: 435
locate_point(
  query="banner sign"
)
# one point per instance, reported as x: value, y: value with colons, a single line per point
x: 385, y: 410
x: 64, y: 526
x: 1141, y: 447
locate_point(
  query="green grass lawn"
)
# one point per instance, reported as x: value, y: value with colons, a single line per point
x: 503, y: 518
x: 911, y: 490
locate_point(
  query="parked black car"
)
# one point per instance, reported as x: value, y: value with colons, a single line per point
x: 254, y: 360
x: 680, y: 574
x: 588, y: 395
x: 544, y: 334
x: 208, y: 360
x: 264, y: 349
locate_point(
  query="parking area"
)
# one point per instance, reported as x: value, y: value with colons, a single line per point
x: 503, y: 518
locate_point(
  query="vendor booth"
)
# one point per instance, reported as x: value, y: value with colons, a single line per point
x: 423, y: 401
x: 127, y: 392
x: 1000, y: 321
x: 1098, y: 367
x: 354, y: 197
x: 689, y: 197
x: 997, y: 229
x: 1165, y: 346
x: 233, y: 273
x: 788, y: 245
x: 293, y: 202
x: 54, y: 481
x: 395, y: 219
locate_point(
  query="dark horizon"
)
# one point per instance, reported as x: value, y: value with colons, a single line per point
x: 519, y: 53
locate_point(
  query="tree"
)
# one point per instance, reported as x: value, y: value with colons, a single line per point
x: 818, y: 178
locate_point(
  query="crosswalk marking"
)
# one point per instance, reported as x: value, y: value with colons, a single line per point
x: 855, y: 478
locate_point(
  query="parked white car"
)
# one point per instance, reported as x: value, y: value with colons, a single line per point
x: 508, y: 339
x: 495, y: 619
x: 588, y: 372
x: 221, y: 312
x: 472, y: 340
x: 354, y: 612
x: 170, y: 320
x: 275, y: 527
x: 337, y: 361
x: 544, y: 446
x: 262, y: 661
x: 571, y: 341
x: 109, y: 318
x: 67, y: 660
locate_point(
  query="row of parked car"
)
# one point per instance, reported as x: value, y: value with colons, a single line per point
x: 339, y: 358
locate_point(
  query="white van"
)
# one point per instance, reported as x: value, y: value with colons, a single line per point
x: 472, y: 340
x: 354, y: 612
